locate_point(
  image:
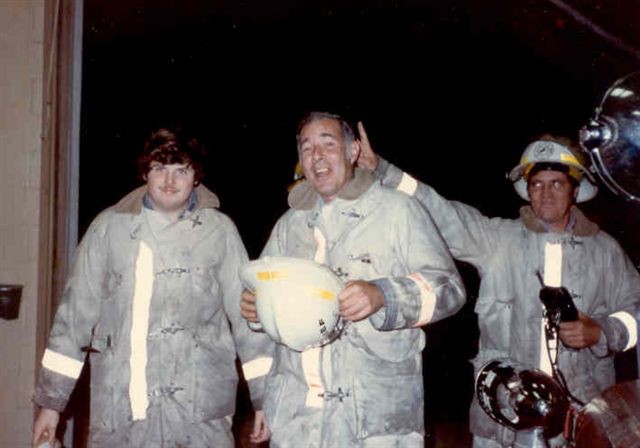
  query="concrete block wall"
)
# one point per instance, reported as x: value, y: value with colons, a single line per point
x: 21, y: 81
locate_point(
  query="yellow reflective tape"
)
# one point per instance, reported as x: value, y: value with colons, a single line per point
x: 272, y: 275
x: 569, y: 158
x: 322, y: 293
x: 527, y: 168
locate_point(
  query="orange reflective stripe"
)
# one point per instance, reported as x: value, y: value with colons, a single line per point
x: 321, y: 293
x: 272, y: 275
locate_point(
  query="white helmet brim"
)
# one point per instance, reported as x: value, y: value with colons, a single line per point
x: 548, y: 151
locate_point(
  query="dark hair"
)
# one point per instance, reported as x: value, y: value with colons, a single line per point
x: 172, y: 146
x: 552, y: 166
x: 347, y: 131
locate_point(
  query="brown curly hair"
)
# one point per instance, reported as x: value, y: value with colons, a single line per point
x: 172, y: 146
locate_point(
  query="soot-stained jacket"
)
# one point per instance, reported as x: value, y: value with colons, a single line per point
x: 367, y: 384
x: 508, y: 254
x: 156, y: 302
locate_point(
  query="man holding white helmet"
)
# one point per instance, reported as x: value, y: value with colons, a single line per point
x: 510, y: 256
x: 363, y: 389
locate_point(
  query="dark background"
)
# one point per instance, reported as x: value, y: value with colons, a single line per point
x: 451, y: 91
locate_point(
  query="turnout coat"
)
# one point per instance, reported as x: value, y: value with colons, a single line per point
x: 603, y: 283
x: 365, y: 388
x: 156, y: 303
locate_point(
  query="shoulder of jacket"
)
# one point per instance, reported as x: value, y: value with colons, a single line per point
x: 293, y: 214
x: 215, y: 216
x: 602, y: 238
x: 392, y: 197
x: 292, y: 219
x: 103, y: 221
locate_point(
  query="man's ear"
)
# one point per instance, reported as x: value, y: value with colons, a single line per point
x: 354, y: 151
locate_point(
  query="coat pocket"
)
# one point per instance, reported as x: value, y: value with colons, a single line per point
x: 389, y: 400
x: 494, y: 321
x: 214, y: 391
x: 105, y: 384
x: 103, y: 397
x: 393, y: 346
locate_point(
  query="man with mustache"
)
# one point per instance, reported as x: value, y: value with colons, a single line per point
x: 152, y: 291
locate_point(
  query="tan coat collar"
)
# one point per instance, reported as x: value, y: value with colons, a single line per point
x: 132, y: 202
x: 582, y: 227
x: 304, y: 197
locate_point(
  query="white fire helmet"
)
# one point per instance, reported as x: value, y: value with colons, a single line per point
x: 550, y: 151
x: 296, y: 300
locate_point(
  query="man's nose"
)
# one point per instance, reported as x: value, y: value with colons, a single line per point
x: 318, y: 152
x: 547, y: 189
x: 169, y: 177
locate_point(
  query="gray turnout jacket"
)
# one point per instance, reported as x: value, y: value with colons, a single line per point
x: 366, y: 385
x: 154, y: 300
x: 602, y: 280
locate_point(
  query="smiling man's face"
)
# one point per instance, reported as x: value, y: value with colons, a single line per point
x: 323, y: 155
x: 169, y: 187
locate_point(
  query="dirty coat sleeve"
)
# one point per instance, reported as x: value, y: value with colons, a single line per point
x: 433, y: 288
x: 75, y: 319
x: 255, y: 349
x: 469, y: 235
x: 474, y: 238
x: 619, y: 325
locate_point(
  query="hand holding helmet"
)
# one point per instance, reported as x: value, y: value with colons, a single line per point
x: 248, y: 308
x: 359, y: 300
x: 295, y: 300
